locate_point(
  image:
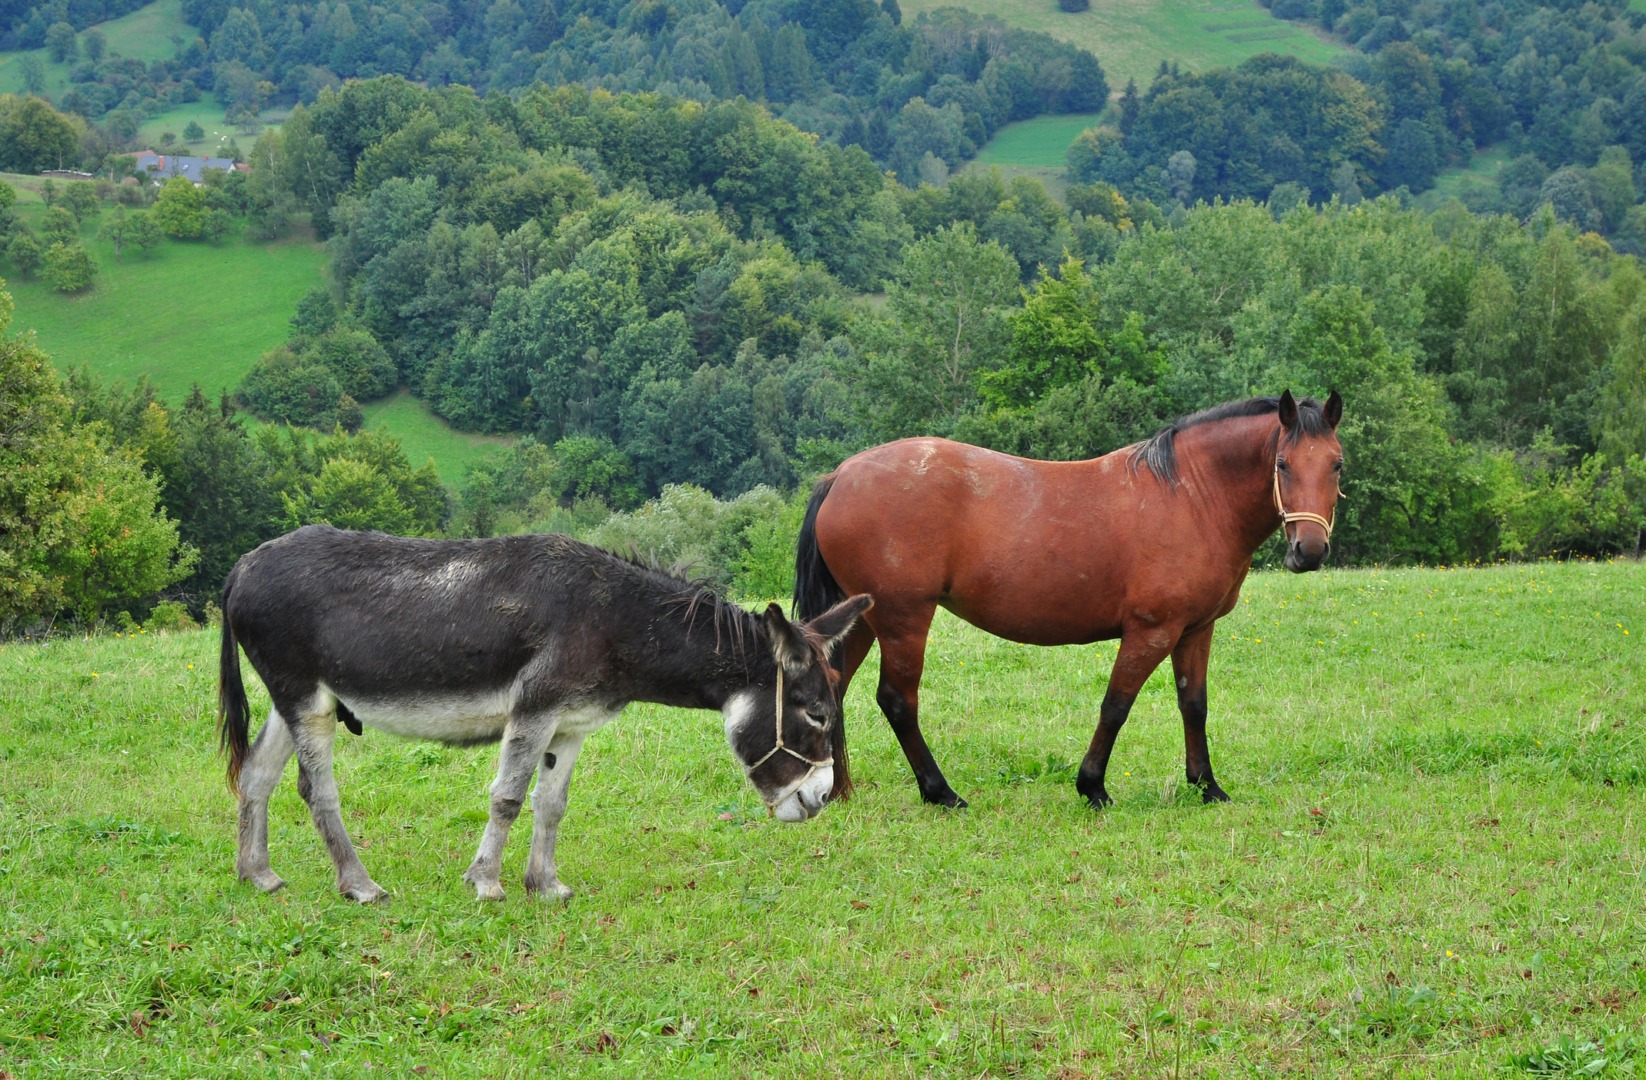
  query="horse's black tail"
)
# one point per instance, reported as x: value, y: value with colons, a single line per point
x: 816, y: 591
x: 233, y: 711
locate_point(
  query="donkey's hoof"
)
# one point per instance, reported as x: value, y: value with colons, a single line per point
x: 267, y: 880
x: 486, y: 887
x: 550, y: 892
x: 368, y: 892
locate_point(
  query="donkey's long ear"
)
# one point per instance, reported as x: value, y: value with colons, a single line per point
x: 837, y: 622
x: 1288, y: 410
x: 1334, y: 409
x: 789, y: 644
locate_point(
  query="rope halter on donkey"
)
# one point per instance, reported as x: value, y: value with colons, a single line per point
x: 828, y: 763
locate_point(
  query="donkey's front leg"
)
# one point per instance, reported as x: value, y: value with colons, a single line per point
x: 318, y: 786
x: 524, y: 741
x: 554, y: 777
x: 265, y: 763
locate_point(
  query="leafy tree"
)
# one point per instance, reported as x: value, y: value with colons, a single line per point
x: 117, y: 230
x: 60, y: 43
x: 945, y: 319
x: 35, y: 136
x: 68, y: 267
x: 24, y: 253
x: 59, y: 226
x: 82, y: 200
x: 180, y: 209
x: 193, y: 132
x: 144, y: 233
x: 80, y: 525
x: 33, y: 73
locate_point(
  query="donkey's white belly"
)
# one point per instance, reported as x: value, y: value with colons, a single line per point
x: 460, y: 718
x: 463, y: 718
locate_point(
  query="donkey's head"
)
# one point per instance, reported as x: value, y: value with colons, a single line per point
x: 1308, y: 471
x: 781, y: 726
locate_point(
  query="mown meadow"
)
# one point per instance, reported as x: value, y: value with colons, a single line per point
x: 1433, y: 866
x: 1131, y: 37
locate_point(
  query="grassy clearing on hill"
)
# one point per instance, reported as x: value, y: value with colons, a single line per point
x: 152, y: 32
x: 1481, y: 172
x: 1038, y: 143
x: 1433, y: 866
x: 1131, y: 37
x: 424, y: 435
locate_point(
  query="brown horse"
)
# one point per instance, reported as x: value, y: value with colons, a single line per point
x: 1149, y: 544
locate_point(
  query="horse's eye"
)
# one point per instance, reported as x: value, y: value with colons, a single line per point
x: 1337, y: 466
x: 1281, y: 464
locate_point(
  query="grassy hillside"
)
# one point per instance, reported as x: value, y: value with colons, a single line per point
x: 153, y: 32
x: 1131, y: 37
x: 202, y: 313
x: 1481, y: 172
x: 1431, y: 868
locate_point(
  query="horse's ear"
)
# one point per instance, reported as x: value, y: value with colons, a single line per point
x: 1288, y: 410
x: 837, y: 622
x: 788, y: 643
x: 1334, y: 409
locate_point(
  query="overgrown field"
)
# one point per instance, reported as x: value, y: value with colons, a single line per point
x: 152, y: 32
x: 197, y: 312
x: 1433, y: 865
x: 1132, y: 37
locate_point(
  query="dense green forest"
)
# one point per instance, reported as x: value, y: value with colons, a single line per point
x: 919, y: 98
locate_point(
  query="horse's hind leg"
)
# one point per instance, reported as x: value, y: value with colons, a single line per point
x: 258, y: 777
x: 318, y: 785
x: 1189, y: 661
x: 1141, y: 651
x: 902, y: 661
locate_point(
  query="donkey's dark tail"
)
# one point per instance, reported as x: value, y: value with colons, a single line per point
x: 233, y: 712
x: 816, y: 591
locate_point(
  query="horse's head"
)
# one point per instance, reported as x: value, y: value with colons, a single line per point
x: 782, y: 727
x: 1308, y: 468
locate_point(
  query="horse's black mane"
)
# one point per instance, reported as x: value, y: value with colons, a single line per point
x: 1158, y: 453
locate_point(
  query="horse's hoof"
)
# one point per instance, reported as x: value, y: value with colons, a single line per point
x: 946, y: 799
x: 1211, y: 793
x: 1099, y: 799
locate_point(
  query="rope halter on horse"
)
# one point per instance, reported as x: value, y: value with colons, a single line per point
x: 828, y: 763
x: 1286, y: 518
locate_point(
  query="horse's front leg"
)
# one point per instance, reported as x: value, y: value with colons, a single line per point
x: 1189, y: 662
x: 902, y: 661
x: 554, y: 777
x: 1141, y: 651
x: 524, y: 741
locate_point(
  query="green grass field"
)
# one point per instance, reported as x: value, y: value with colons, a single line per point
x: 153, y: 32
x: 1131, y: 37
x: 1434, y: 865
x: 1038, y: 143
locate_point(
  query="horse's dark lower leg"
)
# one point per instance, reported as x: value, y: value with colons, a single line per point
x: 1189, y: 663
x: 1111, y: 717
x: 1141, y: 650
x: 847, y: 659
x: 904, y: 717
x: 902, y: 661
